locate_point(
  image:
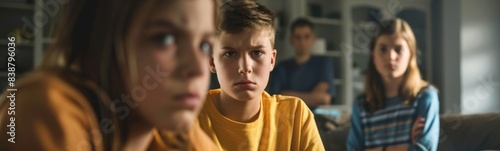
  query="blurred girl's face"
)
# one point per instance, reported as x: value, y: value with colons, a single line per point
x: 172, y: 62
x: 391, y: 56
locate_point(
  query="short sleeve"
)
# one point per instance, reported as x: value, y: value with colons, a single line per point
x: 310, y: 134
x: 428, y: 107
x: 328, y: 75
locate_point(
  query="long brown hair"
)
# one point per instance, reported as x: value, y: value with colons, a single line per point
x: 412, y: 80
x: 91, y: 42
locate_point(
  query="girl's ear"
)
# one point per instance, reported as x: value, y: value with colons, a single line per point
x: 212, y: 65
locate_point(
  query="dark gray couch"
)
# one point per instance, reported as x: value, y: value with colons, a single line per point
x: 458, y: 133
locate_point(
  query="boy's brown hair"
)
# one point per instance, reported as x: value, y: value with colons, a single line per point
x: 241, y: 15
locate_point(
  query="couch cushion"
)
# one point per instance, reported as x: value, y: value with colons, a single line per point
x: 470, y: 132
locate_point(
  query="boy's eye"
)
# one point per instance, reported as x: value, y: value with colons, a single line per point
x: 257, y: 53
x: 229, y: 53
x: 165, y: 39
x: 206, y: 47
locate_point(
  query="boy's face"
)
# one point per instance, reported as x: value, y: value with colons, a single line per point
x: 172, y: 55
x: 302, y: 39
x: 243, y: 63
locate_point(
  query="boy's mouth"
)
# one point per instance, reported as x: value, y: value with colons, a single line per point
x: 245, y: 84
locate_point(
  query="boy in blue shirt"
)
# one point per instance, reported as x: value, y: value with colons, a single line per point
x: 305, y: 76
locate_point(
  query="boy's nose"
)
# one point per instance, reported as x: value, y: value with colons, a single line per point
x: 245, y: 65
x: 245, y: 71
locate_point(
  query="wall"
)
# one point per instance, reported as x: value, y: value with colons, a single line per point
x: 470, y: 56
x: 480, y: 56
x: 450, y: 90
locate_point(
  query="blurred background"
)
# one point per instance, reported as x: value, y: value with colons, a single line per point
x: 458, y: 44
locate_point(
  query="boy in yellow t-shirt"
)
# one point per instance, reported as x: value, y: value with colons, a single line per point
x: 240, y: 115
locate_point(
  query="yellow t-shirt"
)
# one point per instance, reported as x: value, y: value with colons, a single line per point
x: 51, y: 114
x: 284, y: 123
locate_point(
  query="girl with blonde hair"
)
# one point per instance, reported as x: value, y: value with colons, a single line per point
x: 399, y: 110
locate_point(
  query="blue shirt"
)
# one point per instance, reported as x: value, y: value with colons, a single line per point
x: 290, y: 76
x: 392, y: 124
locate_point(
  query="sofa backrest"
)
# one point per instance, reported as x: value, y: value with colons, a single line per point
x: 470, y: 132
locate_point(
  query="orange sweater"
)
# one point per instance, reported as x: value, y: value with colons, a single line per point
x: 50, y: 114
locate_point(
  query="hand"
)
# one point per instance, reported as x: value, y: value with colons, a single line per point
x: 325, y: 98
x: 321, y: 90
x: 417, y: 128
x: 321, y: 87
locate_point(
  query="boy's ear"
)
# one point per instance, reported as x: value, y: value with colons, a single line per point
x: 273, y: 59
x: 212, y: 65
